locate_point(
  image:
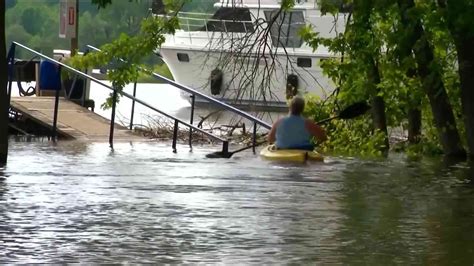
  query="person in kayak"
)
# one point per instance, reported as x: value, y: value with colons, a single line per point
x: 294, y: 131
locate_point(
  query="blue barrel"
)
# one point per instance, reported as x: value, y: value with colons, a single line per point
x: 50, y: 76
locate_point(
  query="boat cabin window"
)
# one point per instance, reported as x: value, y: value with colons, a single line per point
x: 303, y: 62
x: 182, y: 57
x: 228, y: 19
x: 284, y: 31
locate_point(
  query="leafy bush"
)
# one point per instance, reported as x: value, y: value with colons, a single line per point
x: 346, y: 137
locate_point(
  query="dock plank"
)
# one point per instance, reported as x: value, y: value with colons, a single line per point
x: 74, y: 120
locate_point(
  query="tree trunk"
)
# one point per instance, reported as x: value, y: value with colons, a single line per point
x: 404, y: 51
x: 4, y: 104
x: 414, y: 125
x: 465, y: 50
x: 414, y: 111
x: 463, y: 35
x: 362, y: 17
x: 432, y: 84
x: 378, y: 107
x: 438, y: 97
x: 379, y: 118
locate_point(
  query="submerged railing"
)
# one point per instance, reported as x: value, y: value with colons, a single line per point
x: 117, y: 91
x: 194, y: 93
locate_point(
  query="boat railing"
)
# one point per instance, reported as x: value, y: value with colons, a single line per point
x: 116, y: 91
x: 194, y: 23
x: 216, y: 103
x: 190, y: 21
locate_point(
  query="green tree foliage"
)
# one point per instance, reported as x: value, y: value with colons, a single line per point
x: 347, y: 137
x: 36, y: 26
x: 101, y: 3
x: 29, y: 20
x: 407, y: 78
x: 40, y: 22
x: 98, y: 28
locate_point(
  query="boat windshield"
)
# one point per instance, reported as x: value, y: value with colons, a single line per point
x: 284, y: 28
x: 230, y: 20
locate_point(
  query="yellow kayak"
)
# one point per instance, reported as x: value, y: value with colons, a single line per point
x: 271, y: 153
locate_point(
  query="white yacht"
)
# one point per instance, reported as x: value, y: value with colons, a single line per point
x: 249, y: 53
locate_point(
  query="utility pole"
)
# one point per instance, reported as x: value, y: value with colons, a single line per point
x: 4, y: 104
x: 69, y: 22
x: 75, y: 38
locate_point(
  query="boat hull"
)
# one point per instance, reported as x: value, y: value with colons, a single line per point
x: 249, y: 52
x: 238, y: 88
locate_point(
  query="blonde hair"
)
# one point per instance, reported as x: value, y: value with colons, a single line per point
x: 297, y: 105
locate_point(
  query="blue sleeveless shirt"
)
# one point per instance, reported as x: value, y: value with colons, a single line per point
x: 291, y: 133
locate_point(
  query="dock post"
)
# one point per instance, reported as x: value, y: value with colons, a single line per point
x: 133, y: 105
x: 112, y: 119
x: 84, y: 90
x: 55, y: 115
x: 225, y: 147
x: 191, y: 122
x: 11, y: 66
x: 254, y: 138
x: 175, y: 135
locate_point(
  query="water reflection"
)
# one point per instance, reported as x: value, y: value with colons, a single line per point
x: 142, y: 203
x: 411, y: 216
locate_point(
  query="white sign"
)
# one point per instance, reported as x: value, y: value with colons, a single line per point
x: 67, y: 18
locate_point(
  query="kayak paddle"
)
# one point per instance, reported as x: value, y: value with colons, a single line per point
x: 352, y: 111
x: 220, y: 154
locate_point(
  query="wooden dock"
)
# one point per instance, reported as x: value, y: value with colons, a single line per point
x: 74, y: 121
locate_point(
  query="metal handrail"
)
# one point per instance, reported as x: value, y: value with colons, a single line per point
x: 208, y: 98
x: 177, y: 120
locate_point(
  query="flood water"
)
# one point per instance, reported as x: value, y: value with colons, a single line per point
x: 141, y: 203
